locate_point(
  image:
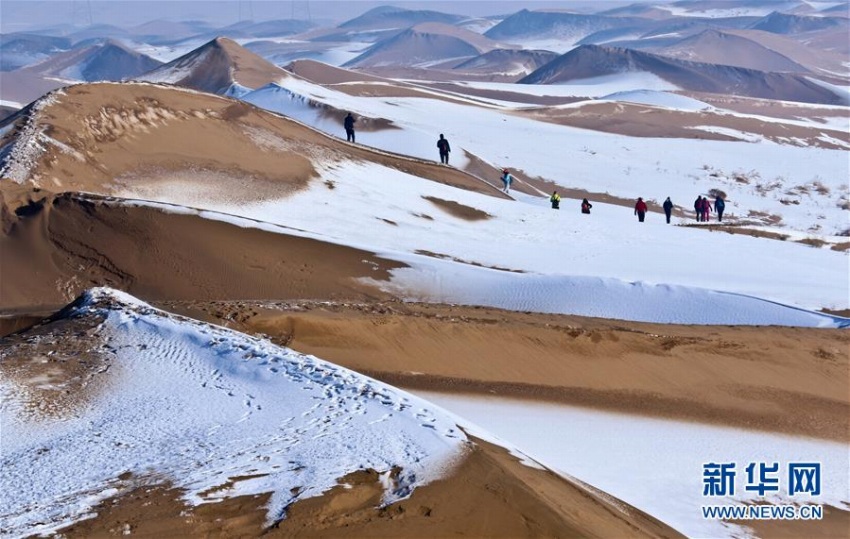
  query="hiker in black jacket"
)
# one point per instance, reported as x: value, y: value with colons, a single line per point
x: 445, y: 149
x: 349, y: 127
x: 668, y: 209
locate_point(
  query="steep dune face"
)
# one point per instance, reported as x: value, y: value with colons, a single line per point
x: 395, y: 17
x: 786, y: 23
x: 715, y: 47
x: 55, y: 247
x: 217, y: 67
x: 97, y: 138
x: 109, y: 60
x: 423, y: 44
x: 568, y: 27
x: 511, y: 62
x: 590, y: 61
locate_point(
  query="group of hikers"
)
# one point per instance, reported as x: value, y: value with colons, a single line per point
x: 555, y: 199
x: 702, y: 206
x: 442, y: 144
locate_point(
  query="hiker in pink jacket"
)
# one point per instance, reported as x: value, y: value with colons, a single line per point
x: 706, y: 209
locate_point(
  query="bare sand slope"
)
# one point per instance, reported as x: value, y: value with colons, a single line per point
x: 489, y: 494
x: 791, y: 380
x: 636, y: 120
x: 55, y: 247
x: 98, y: 137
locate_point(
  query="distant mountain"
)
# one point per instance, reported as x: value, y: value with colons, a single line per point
x: 508, y: 62
x: 643, y: 10
x: 98, y: 31
x: 423, y: 44
x: 731, y: 7
x: 783, y: 23
x: 396, y: 17
x: 716, y: 47
x: 276, y: 28
x: 590, y: 61
x: 569, y: 28
x: 107, y: 60
x: 382, y: 23
x: 840, y: 9
x: 19, y: 50
x: 647, y: 33
x: 254, y: 30
x: 680, y: 27
x: 163, y: 31
x: 6, y: 111
x: 220, y: 66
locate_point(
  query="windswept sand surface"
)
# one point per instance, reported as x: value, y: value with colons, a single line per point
x: 60, y: 246
x: 637, y: 120
x: 790, y: 380
x: 155, y: 136
x: 488, y: 494
x: 484, y: 491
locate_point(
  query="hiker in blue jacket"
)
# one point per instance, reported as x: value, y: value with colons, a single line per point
x: 719, y: 206
x: 507, y: 179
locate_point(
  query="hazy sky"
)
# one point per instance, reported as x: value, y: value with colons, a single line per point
x: 27, y: 15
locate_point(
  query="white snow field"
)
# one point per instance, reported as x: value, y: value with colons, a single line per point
x: 655, y: 465
x: 605, y: 264
x: 653, y: 168
x: 196, y: 404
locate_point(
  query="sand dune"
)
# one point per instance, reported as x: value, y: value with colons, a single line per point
x: 108, y: 348
x: 774, y: 379
x: 103, y: 136
x: 216, y: 67
x: 588, y: 61
x: 638, y: 120
x: 57, y: 246
x: 489, y: 494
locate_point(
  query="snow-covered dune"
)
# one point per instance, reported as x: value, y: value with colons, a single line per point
x: 199, y: 405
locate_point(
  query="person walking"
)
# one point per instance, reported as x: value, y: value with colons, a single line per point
x: 555, y: 199
x: 443, y: 146
x: 668, y: 209
x: 585, y: 206
x: 507, y: 180
x: 719, y: 206
x: 706, y: 209
x: 640, y: 209
x: 349, y: 127
x: 698, y: 208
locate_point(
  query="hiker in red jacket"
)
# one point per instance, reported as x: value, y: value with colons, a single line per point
x: 706, y: 209
x: 640, y: 209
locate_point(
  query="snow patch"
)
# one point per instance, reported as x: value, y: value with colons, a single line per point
x: 660, y: 99
x: 31, y: 142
